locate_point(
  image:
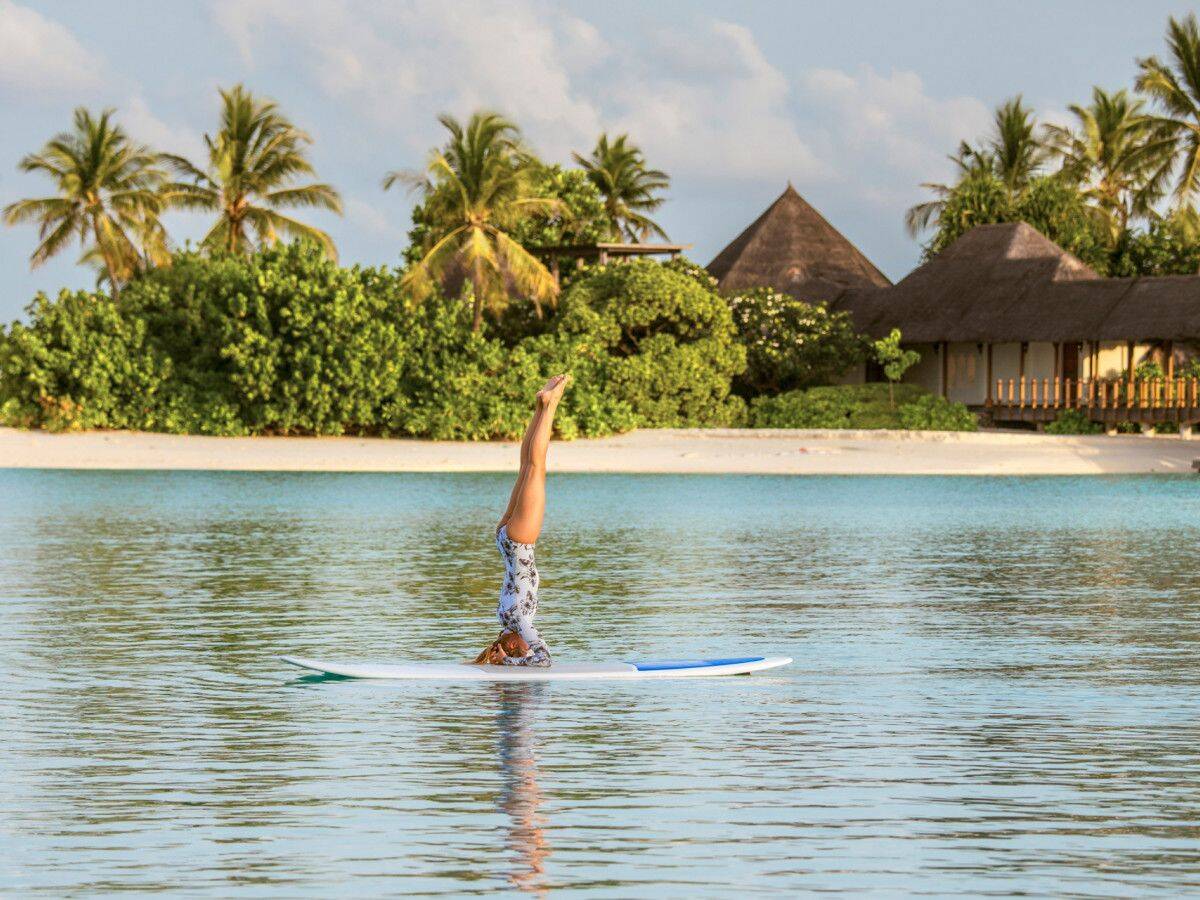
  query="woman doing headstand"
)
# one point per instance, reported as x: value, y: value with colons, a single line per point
x: 516, y: 535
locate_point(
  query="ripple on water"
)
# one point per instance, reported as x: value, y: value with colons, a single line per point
x: 994, y: 687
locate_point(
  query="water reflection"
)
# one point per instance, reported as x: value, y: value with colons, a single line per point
x: 521, y: 798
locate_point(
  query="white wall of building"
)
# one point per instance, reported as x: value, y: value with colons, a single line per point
x: 966, y: 373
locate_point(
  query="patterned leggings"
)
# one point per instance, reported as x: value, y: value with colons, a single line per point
x: 518, y: 600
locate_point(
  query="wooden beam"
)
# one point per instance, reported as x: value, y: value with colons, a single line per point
x: 944, y: 347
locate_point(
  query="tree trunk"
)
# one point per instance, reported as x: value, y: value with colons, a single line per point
x: 891, y: 394
x: 477, y: 284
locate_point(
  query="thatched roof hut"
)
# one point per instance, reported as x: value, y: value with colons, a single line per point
x: 792, y: 248
x: 1009, y: 282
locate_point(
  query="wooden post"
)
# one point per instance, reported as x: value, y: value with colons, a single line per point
x: 1170, y: 359
x: 989, y: 374
x: 1129, y: 358
x: 944, y: 348
x: 554, y: 269
x: 1012, y: 392
x: 603, y: 258
x: 1057, y: 389
x: 1022, y: 392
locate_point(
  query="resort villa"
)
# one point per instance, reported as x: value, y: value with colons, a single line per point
x: 1005, y: 320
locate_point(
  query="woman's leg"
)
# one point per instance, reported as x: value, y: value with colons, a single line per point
x: 527, y: 505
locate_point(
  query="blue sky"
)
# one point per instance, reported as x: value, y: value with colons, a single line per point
x: 855, y: 102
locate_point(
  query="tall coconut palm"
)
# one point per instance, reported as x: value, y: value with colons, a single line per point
x: 254, y: 160
x: 475, y: 191
x: 1010, y: 151
x: 1175, y: 87
x: 1117, y: 155
x: 108, y: 197
x: 618, y: 170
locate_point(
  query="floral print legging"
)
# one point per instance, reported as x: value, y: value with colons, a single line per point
x: 518, y: 600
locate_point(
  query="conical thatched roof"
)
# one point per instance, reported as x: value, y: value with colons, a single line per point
x: 791, y: 248
x: 996, y: 282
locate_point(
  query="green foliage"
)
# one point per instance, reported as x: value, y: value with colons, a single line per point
x: 933, y: 413
x: 865, y: 406
x: 287, y: 342
x: 1166, y: 247
x: 578, y: 218
x: 1073, y: 421
x: 894, y: 359
x: 1050, y: 204
x: 1059, y: 211
x: 668, y: 340
x: 791, y: 344
x: 980, y: 198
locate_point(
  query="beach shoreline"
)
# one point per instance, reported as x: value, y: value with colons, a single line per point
x: 668, y: 451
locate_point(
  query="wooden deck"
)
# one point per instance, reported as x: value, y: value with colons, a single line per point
x: 1140, y: 401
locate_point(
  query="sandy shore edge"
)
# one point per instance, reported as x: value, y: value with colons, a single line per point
x: 748, y: 451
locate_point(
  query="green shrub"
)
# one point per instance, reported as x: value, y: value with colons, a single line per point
x: 791, y: 344
x: 286, y: 342
x: 1073, y: 421
x: 80, y: 364
x: 860, y: 406
x: 931, y: 413
x: 661, y: 341
x: 837, y: 406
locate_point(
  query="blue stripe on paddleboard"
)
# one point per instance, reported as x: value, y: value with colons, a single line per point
x: 693, y: 663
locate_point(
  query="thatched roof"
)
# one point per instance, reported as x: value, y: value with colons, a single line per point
x: 1010, y: 283
x: 791, y: 248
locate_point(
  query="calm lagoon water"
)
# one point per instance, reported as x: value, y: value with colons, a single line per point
x: 996, y: 687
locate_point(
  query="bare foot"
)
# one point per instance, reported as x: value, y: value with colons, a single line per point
x: 553, y: 391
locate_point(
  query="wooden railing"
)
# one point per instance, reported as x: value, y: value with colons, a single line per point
x: 1127, y: 395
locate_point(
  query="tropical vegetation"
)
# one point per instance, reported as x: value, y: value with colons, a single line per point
x: 109, y: 194
x: 630, y: 190
x: 1117, y: 185
x: 254, y: 160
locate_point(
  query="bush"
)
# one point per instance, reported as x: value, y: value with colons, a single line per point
x: 931, y: 413
x: 791, y: 344
x: 287, y: 342
x: 660, y: 341
x: 860, y: 406
x: 839, y: 406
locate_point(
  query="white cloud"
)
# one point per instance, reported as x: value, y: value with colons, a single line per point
x: 369, y: 217
x: 39, y: 56
x: 710, y: 104
x: 887, y: 133
x: 700, y: 103
x: 143, y: 125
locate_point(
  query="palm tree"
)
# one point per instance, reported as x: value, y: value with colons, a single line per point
x: 618, y: 170
x: 1011, y: 152
x: 969, y: 161
x: 1118, y: 156
x: 108, y: 196
x: 1175, y: 87
x: 253, y: 162
x: 475, y: 190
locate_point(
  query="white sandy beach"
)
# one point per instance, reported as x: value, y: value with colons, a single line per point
x: 679, y: 451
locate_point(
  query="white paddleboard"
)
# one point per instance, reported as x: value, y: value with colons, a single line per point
x: 672, y: 668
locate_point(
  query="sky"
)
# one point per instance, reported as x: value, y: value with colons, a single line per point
x: 856, y: 103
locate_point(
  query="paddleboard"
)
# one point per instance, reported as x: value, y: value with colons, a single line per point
x: 671, y: 668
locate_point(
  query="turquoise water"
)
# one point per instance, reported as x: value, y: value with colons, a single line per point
x: 996, y: 687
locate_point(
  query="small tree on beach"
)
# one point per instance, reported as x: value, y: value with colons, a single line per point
x: 253, y: 162
x: 476, y: 190
x: 894, y: 359
x: 108, y: 197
